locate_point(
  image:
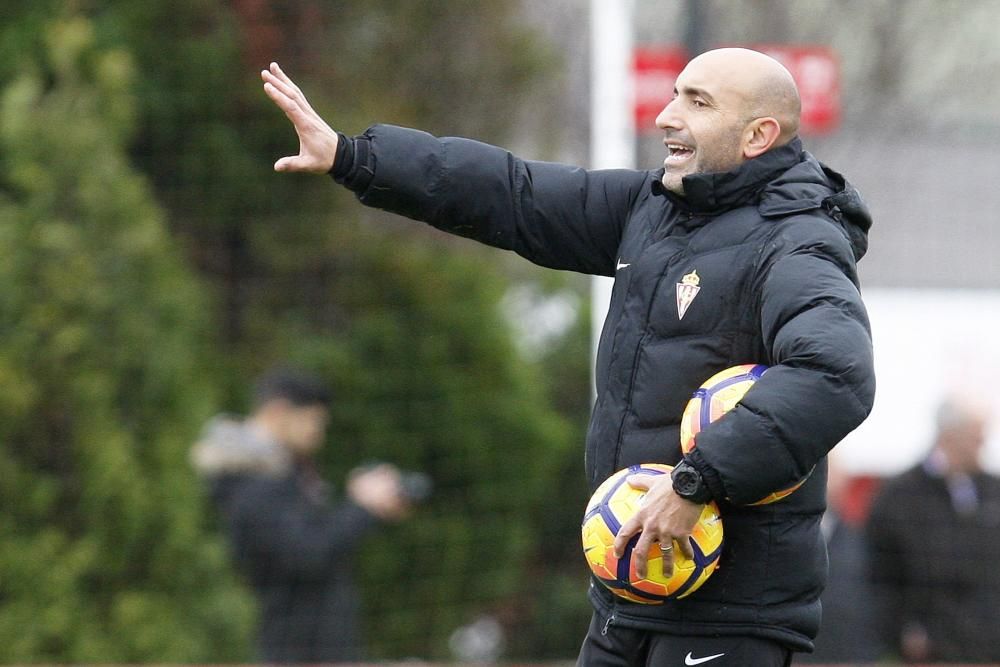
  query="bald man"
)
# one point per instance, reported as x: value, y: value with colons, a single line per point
x: 937, y: 599
x: 741, y: 249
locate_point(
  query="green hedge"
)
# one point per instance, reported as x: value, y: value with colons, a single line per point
x: 103, y: 376
x: 152, y: 264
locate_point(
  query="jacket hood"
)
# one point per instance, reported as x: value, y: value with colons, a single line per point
x: 811, y: 185
x: 229, y: 446
x: 784, y: 181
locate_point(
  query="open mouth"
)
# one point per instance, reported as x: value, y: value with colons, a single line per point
x: 677, y: 154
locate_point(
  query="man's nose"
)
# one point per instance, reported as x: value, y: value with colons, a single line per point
x: 668, y: 118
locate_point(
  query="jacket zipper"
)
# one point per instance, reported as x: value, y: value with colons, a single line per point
x: 607, y: 624
x: 628, y: 396
x: 638, y: 352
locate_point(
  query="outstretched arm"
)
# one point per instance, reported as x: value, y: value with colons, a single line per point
x: 317, y: 140
x: 555, y: 215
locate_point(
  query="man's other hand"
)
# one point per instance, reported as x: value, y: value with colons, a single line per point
x: 664, y: 517
x: 317, y: 140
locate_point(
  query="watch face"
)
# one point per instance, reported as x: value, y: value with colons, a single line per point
x: 686, y: 482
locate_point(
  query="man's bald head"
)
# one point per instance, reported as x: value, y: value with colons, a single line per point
x: 764, y: 85
x: 962, y: 425
x: 729, y: 105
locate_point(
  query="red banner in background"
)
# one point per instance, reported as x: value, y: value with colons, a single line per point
x: 654, y: 71
x: 816, y: 71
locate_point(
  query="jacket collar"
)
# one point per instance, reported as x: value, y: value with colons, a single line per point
x: 720, y: 191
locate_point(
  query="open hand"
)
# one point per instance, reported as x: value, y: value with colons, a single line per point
x: 664, y: 517
x: 317, y: 140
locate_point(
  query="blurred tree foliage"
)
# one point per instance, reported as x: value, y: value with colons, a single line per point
x: 288, y: 268
x: 103, y: 552
x: 429, y: 379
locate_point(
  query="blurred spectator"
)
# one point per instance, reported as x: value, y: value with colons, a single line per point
x: 935, y: 537
x: 293, y: 544
x: 847, y: 633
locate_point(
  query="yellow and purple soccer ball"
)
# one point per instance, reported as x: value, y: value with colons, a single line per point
x: 717, y: 396
x: 613, y: 503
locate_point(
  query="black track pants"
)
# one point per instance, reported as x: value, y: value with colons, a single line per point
x: 608, y: 645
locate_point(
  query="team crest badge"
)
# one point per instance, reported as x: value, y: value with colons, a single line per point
x: 687, y: 290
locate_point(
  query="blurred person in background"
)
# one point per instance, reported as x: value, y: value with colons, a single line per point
x: 293, y: 543
x: 742, y: 248
x: 934, y: 533
x: 848, y: 633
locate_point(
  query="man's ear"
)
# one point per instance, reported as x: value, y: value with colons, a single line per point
x: 760, y: 136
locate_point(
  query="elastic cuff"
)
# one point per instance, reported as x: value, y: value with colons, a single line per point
x: 343, y: 160
x: 355, y: 167
x: 708, y: 473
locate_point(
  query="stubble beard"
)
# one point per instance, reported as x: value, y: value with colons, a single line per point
x: 705, y: 164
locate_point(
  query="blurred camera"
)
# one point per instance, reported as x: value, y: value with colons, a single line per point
x: 416, y: 487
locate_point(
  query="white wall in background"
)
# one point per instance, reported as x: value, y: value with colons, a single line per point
x: 927, y: 343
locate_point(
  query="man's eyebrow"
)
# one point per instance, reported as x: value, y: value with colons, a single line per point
x: 692, y: 91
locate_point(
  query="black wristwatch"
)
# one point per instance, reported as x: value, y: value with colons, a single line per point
x: 689, y: 484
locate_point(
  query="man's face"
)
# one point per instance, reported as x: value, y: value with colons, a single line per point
x: 304, y: 428
x: 703, y: 124
x: 963, y: 444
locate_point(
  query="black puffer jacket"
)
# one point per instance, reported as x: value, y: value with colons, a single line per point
x: 773, y: 245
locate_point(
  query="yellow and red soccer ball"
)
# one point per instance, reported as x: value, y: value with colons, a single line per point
x: 717, y: 396
x: 612, y: 504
